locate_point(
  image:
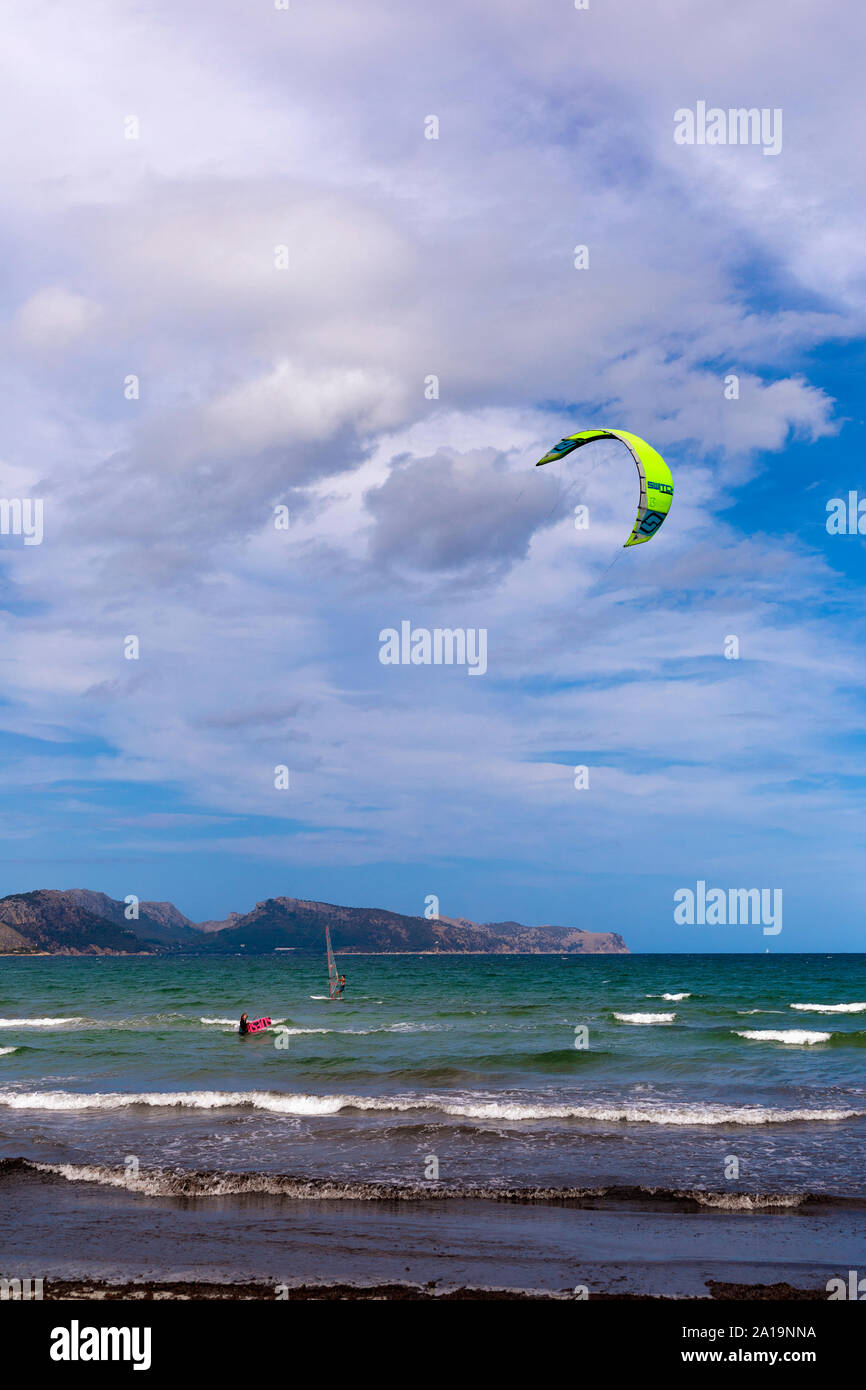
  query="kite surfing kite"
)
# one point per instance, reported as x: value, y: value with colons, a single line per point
x: 656, y: 483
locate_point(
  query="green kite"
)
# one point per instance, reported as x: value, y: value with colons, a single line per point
x: 656, y: 483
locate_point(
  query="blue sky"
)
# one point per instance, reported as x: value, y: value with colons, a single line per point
x: 305, y: 387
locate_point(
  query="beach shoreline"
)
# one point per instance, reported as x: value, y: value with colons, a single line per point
x: 443, y: 1134
x: 67, y: 1290
x: 87, y: 1241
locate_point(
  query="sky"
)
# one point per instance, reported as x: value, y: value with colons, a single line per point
x: 290, y: 309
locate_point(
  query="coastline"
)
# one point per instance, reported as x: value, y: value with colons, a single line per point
x: 280, y: 950
x: 67, y: 1290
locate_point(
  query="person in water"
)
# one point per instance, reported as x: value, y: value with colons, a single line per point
x: 342, y: 985
x: 244, y: 1026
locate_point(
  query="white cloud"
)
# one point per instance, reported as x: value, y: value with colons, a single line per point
x: 54, y: 318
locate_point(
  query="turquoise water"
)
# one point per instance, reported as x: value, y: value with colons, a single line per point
x: 470, y: 1061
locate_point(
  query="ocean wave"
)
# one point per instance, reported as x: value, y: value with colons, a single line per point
x: 356, y: 999
x: 142, y: 1022
x: 296, y: 1032
x: 794, y: 1036
x: 37, y: 1022
x: 645, y: 1018
x: 830, y: 1008
x: 167, y: 1182
x: 750, y: 1201
x: 5, y: 1050
x: 365, y: 1032
x: 473, y: 1107
x: 672, y: 998
x: 409, y: 1027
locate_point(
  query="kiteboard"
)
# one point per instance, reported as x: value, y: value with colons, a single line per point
x: 258, y: 1025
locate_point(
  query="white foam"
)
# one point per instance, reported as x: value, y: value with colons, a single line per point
x: 673, y: 998
x: 37, y: 1022
x: 194, y: 1100
x: 830, y: 1008
x: 409, y: 1028
x: 472, y: 1107
x: 86, y: 1172
x: 645, y: 1018
x: 746, y: 1201
x: 365, y: 1032
x: 647, y: 1114
x: 284, y: 1028
x: 794, y: 1036
x: 5, y: 1050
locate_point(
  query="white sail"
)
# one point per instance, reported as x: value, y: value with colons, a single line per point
x: 333, y: 979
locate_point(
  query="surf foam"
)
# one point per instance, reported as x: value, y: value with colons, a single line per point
x: 830, y: 1008
x: 472, y: 1107
x: 37, y: 1022
x: 794, y: 1036
x: 645, y: 1018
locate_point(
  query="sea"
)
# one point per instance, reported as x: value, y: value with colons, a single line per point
x: 640, y: 1122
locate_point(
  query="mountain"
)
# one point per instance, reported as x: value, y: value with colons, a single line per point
x: 299, y: 924
x: 567, y: 939
x: 79, y: 921
x: 230, y: 921
x: 52, y: 921
x: 11, y: 940
x: 156, y: 921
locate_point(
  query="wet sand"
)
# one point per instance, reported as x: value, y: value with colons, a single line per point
x: 69, y: 1289
x: 87, y: 1241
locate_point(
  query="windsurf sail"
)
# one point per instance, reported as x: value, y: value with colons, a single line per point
x: 333, y: 978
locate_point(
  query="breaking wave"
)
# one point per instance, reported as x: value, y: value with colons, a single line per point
x: 472, y: 1107
x: 830, y: 1008
x: 795, y: 1036
x: 167, y: 1182
x: 645, y: 1018
x: 37, y: 1022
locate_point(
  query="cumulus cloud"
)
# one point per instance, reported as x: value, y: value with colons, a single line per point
x: 457, y: 512
x: 54, y: 318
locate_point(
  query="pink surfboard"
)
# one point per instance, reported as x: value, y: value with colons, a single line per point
x: 258, y: 1024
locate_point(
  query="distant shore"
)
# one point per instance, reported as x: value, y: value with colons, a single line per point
x: 283, y: 950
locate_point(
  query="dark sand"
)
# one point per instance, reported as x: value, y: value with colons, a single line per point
x: 65, y: 1289
x: 90, y: 1241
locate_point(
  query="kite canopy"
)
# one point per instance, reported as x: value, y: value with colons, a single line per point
x: 656, y: 483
